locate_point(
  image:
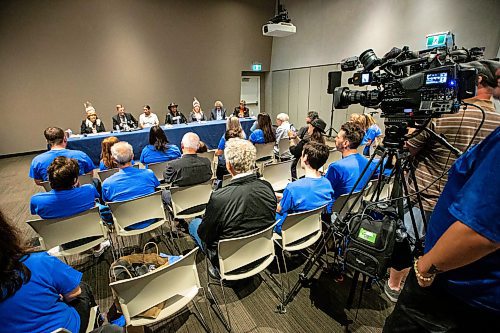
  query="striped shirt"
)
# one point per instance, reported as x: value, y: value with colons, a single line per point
x: 433, y: 159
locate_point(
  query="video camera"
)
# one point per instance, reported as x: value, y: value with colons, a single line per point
x: 411, y: 85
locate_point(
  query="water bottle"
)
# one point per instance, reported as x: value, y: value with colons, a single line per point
x: 117, y: 128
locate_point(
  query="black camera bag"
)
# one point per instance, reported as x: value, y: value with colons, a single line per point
x: 371, y: 244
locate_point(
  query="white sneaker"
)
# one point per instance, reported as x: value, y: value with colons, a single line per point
x: 102, y: 247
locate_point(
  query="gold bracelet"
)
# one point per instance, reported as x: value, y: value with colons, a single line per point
x: 419, y: 276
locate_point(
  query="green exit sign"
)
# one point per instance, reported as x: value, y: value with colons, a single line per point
x: 256, y: 67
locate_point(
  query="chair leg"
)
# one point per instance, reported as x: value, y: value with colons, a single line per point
x: 201, y: 318
x: 227, y: 306
x: 286, y: 272
x: 208, y: 307
x: 217, y: 306
x: 176, y: 246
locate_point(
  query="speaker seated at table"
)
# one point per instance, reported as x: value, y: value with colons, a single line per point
x: 174, y: 116
x: 123, y: 121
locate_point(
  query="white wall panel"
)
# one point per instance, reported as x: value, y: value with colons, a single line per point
x: 298, y: 95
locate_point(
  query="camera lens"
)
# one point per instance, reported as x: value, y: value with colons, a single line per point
x: 369, y: 60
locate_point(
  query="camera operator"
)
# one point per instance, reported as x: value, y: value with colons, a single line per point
x: 432, y: 159
x: 455, y: 285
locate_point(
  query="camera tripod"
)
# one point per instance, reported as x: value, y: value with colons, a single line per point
x: 392, y: 154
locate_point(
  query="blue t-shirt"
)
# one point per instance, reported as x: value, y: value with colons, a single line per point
x: 40, y: 163
x: 371, y: 133
x: 298, y: 197
x: 37, y: 306
x: 257, y: 136
x: 103, y: 167
x: 151, y: 155
x: 471, y: 197
x: 55, y: 204
x: 130, y: 183
x: 343, y: 174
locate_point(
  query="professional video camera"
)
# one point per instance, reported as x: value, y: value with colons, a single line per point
x: 411, y: 85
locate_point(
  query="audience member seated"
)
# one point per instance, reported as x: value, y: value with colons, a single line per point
x: 218, y: 112
x: 265, y: 132
x: 57, y: 141
x: 372, y: 131
x: 129, y: 182
x: 92, y: 124
x: 174, y: 116
x: 67, y: 197
x: 284, y: 127
x: 244, y: 206
x: 344, y: 173
x: 39, y: 292
x: 158, y: 150
x: 107, y: 162
x: 315, y: 133
x: 202, y: 148
x: 241, y: 111
x: 310, y: 192
x: 190, y: 169
x: 197, y: 114
x: 148, y: 118
x: 233, y: 130
x: 123, y: 121
x: 311, y: 115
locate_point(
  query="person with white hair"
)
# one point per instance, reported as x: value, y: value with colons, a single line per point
x: 197, y: 113
x: 244, y: 206
x: 282, y: 130
x: 218, y: 112
x: 190, y: 169
x: 129, y: 182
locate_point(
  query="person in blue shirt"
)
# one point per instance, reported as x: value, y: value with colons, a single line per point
x: 310, y: 192
x: 344, y: 173
x: 265, y: 132
x: 159, y: 150
x: 129, y: 182
x: 57, y: 141
x: 39, y: 292
x: 455, y: 285
x: 67, y: 197
x: 372, y: 131
x: 233, y: 130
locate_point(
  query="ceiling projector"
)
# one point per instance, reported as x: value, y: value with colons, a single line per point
x: 281, y: 29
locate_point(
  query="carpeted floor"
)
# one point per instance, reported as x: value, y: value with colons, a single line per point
x: 318, y: 307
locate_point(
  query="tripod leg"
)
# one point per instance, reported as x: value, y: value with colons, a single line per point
x: 352, y: 291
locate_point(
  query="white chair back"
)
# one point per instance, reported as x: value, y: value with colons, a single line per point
x: 360, y: 149
x: 129, y: 212
x: 104, y: 174
x: 243, y: 251
x: 211, y: 156
x: 337, y: 205
x: 384, y: 192
x: 300, y: 230
x: 264, y: 150
x: 284, y: 146
x: 333, y: 156
x: 278, y: 175
x: 82, y: 179
x: 186, y: 200
x: 158, y: 169
x: 175, y: 284
x: 56, y: 232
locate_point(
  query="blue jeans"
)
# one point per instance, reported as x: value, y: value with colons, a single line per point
x: 193, y: 231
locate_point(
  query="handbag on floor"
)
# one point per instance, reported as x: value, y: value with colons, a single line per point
x: 135, y: 265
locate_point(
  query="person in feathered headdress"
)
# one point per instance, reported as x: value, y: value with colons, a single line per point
x: 92, y: 123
